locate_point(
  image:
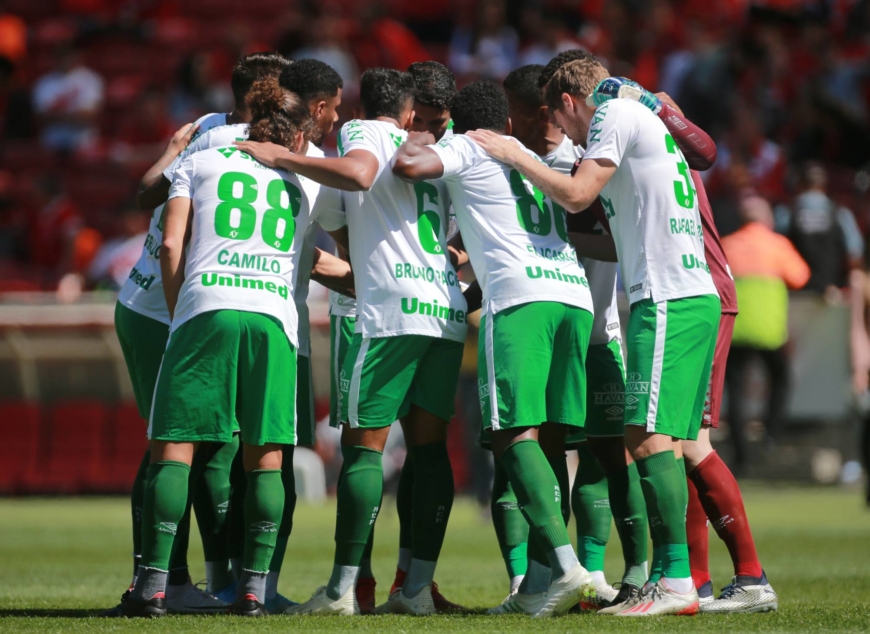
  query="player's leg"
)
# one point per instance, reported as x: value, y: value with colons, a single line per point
x: 431, y: 397
x: 511, y: 528
x: 671, y: 352
x: 236, y: 523
x: 405, y: 509
x: 714, y: 493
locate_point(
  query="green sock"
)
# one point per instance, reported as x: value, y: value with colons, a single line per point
x: 264, y: 505
x: 137, y: 502
x: 534, y: 483
x: 667, y: 496
x: 433, y: 498
x: 288, y: 481
x: 405, y: 509
x: 559, y: 465
x: 591, y: 505
x: 164, y: 508
x: 360, y: 492
x: 236, y: 513
x: 629, y: 513
x: 210, y: 493
x: 511, y: 527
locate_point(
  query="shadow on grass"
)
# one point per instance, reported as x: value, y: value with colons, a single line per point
x: 50, y: 614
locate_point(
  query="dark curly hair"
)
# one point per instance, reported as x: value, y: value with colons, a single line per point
x: 311, y: 79
x: 480, y: 105
x: 252, y: 67
x: 277, y: 114
x: 522, y: 84
x: 436, y: 85
x: 560, y: 60
x: 384, y: 92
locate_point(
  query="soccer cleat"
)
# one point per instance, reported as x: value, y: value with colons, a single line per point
x: 442, y: 605
x: 152, y: 608
x: 278, y: 604
x: 398, y: 603
x: 744, y: 595
x: 566, y: 591
x: 627, y: 596
x: 320, y: 603
x: 604, y: 596
x: 662, y: 600
x: 705, y: 594
x: 517, y: 603
x: 365, y: 595
x: 188, y: 599
x: 249, y: 605
x: 118, y: 610
x: 228, y: 594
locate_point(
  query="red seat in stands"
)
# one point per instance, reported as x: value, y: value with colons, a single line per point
x: 19, y: 447
x: 127, y: 443
x: 71, y: 462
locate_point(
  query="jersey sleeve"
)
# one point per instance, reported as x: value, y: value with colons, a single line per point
x: 611, y: 132
x: 358, y: 135
x: 182, y: 183
x: 198, y: 144
x: 456, y: 154
x: 328, y: 209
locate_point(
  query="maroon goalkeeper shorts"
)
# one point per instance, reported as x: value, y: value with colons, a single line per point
x: 717, y: 375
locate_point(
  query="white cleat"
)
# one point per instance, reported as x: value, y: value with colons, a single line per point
x: 320, y: 603
x: 662, y: 600
x: 566, y: 591
x: 398, y: 603
x: 517, y: 603
x: 744, y: 595
x: 188, y: 599
x: 627, y: 596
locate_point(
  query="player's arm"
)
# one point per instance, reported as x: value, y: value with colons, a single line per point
x: 457, y: 252
x: 176, y: 235
x: 414, y: 162
x: 473, y: 296
x: 333, y: 273
x: 154, y: 186
x: 353, y: 172
x: 598, y: 246
x: 697, y: 146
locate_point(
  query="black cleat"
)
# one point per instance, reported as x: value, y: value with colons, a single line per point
x: 152, y: 608
x: 249, y: 606
x: 627, y: 596
x: 118, y: 610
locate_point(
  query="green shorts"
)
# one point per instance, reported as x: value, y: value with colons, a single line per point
x: 221, y: 363
x: 670, y: 353
x: 531, y: 365
x: 383, y: 376
x: 605, y: 393
x: 305, y: 421
x: 143, y: 342
x: 341, y: 331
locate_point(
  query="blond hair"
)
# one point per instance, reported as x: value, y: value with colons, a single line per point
x: 577, y: 78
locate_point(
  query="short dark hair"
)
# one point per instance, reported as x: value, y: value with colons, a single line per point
x: 480, y: 105
x: 252, y: 67
x: 311, y: 79
x: 522, y: 83
x: 436, y: 85
x: 560, y: 60
x: 384, y: 92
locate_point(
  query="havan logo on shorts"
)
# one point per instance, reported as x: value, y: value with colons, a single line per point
x: 263, y: 527
x: 343, y: 383
x: 613, y: 394
x: 411, y: 305
x: 633, y: 387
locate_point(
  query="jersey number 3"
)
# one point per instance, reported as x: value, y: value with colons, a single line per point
x: 236, y: 218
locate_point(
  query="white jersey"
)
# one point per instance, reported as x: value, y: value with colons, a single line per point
x: 405, y: 284
x: 330, y: 212
x: 601, y: 275
x: 516, y: 239
x: 651, y: 204
x: 142, y: 292
x: 246, y: 236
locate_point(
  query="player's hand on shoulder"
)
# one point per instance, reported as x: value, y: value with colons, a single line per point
x: 182, y: 137
x: 266, y: 153
x: 501, y: 148
x: 623, y: 88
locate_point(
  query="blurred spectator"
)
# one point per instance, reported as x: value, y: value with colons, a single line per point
x: 765, y: 266
x: 380, y: 40
x: 487, y: 47
x: 196, y: 92
x: 16, y: 113
x: 112, y: 262
x: 545, y: 36
x: 13, y: 222
x: 13, y: 35
x: 144, y: 133
x: 54, y: 224
x: 68, y: 101
x: 824, y: 233
x: 324, y: 41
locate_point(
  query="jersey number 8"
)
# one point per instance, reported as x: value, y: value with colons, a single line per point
x: 527, y: 201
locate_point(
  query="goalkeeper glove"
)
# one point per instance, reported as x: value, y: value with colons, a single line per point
x: 623, y: 88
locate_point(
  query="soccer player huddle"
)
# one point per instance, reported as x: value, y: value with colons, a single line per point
x: 552, y: 179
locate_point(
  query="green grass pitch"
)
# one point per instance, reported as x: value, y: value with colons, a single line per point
x: 61, y: 560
